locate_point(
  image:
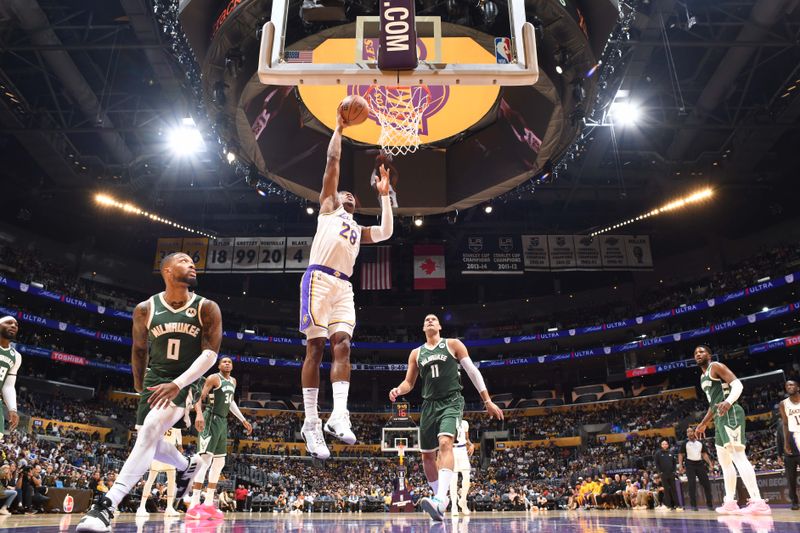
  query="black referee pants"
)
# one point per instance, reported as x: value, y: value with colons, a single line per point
x: 696, y: 470
x: 792, y: 462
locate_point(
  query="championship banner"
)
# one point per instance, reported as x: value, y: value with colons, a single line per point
x: 535, y: 252
x: 587, y: 253
x: 613, y: 252
x: 562, y: 252
x: 492, y: 254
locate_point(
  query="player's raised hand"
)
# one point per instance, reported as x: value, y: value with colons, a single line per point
x: 247, y: 427
x: 382, y: 184
x: 341, y: 123
x: 494, y: 411
x: 162, y: 395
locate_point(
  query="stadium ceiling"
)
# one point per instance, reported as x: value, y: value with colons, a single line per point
x: 89, y: 88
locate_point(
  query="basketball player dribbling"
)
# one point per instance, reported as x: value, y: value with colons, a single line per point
x: 327, y: 309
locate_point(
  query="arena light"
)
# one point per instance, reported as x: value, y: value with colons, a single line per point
x: 106, y: 200
x: 186, y: 139
x: 625, y: 113
x: 488, y: 209
x: 680, y: 203
x: 309, y: 210
x: 418, y: 221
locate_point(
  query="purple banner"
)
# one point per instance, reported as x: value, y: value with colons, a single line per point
x: 398, y: 48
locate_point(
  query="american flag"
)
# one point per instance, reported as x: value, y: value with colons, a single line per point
x: 376, y: 268
x: 298, y: 56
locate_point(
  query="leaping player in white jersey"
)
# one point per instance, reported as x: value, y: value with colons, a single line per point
x: 327, y: 308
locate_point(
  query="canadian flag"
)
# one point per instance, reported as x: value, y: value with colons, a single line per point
x: 429, y: 267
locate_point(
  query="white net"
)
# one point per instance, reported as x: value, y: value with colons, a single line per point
x: 399, y: 111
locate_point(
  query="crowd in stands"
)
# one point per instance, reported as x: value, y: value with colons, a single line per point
x: 27, y: 266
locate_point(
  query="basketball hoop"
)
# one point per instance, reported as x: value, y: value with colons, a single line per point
x: 399, y: 111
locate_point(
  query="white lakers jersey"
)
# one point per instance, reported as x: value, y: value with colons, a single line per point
x: 463, y: 432
x: 792, y: 411
x: 336, y: 242
x: 173, y: 436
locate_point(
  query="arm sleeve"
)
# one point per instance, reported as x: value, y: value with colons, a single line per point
x: 236, y: 412
x: 736, y: 391
x: 9, y: 387
x: 474, y: 374
x: 200, y: 366
x: 385, y: 230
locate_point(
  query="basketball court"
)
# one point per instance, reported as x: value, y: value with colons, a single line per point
x: 783, y: 521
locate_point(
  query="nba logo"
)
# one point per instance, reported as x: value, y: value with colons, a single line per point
x: 69, y: 503
x: 502, y: 50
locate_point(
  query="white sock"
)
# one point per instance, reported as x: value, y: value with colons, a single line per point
x: 146, y: 490
x: 210, y: 496
x: 340, y: 390
x: 310, y: 404
x: 747, y: 473
x: 444, y: 484
x: 171, y: 488
x: 434, y: 485
x: 728, y: 473
x: 195, y: 497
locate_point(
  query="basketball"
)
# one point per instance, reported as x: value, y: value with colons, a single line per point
x: 354, y: 109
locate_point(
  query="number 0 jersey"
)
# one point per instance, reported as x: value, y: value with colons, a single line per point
x: 174, y: 335
x: 336, y: 242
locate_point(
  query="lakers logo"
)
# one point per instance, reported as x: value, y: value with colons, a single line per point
x: 191, y: 312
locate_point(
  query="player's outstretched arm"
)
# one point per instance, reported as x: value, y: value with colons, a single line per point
x: 139, y: 350
x: 328, y: 197
x: 212, y: 339
x: 461, y: 353
x: 385, y: 230
x: 238, y: 414
x: 412, y: 373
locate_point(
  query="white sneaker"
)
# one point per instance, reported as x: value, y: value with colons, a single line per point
x: 434, y: 507
x: 141, y: 511
x: 4, y: 511
x: 315, y: 440
x: 169, y: 511
x: 464, y: 509
x: 339, y: 426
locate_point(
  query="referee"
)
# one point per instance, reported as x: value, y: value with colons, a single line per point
x: 696, y: 455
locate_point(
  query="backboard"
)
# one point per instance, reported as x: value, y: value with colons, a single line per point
x: 344, y: 51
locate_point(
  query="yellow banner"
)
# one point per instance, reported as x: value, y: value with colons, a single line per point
x: 45, y: 423
x: 562, y: 442
x: 166, y: 246
x: 450, y: 109
x: 197, y: 249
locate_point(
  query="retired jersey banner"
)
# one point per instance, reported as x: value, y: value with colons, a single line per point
x: 275, y: 255
x: 492, y: 254
x: 638, y: 249
x: 429, y: 267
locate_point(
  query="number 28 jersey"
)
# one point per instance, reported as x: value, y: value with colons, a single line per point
x: 336, y: 242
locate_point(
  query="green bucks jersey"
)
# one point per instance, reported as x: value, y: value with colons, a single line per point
x: 174, y: 335
x: 222, y: 396
x: 439, y: 370
x: 9, y: 363
x: 716, y: 390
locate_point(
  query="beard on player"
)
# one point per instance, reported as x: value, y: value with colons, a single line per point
x: 348, y: 201
x: 8, y: 332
